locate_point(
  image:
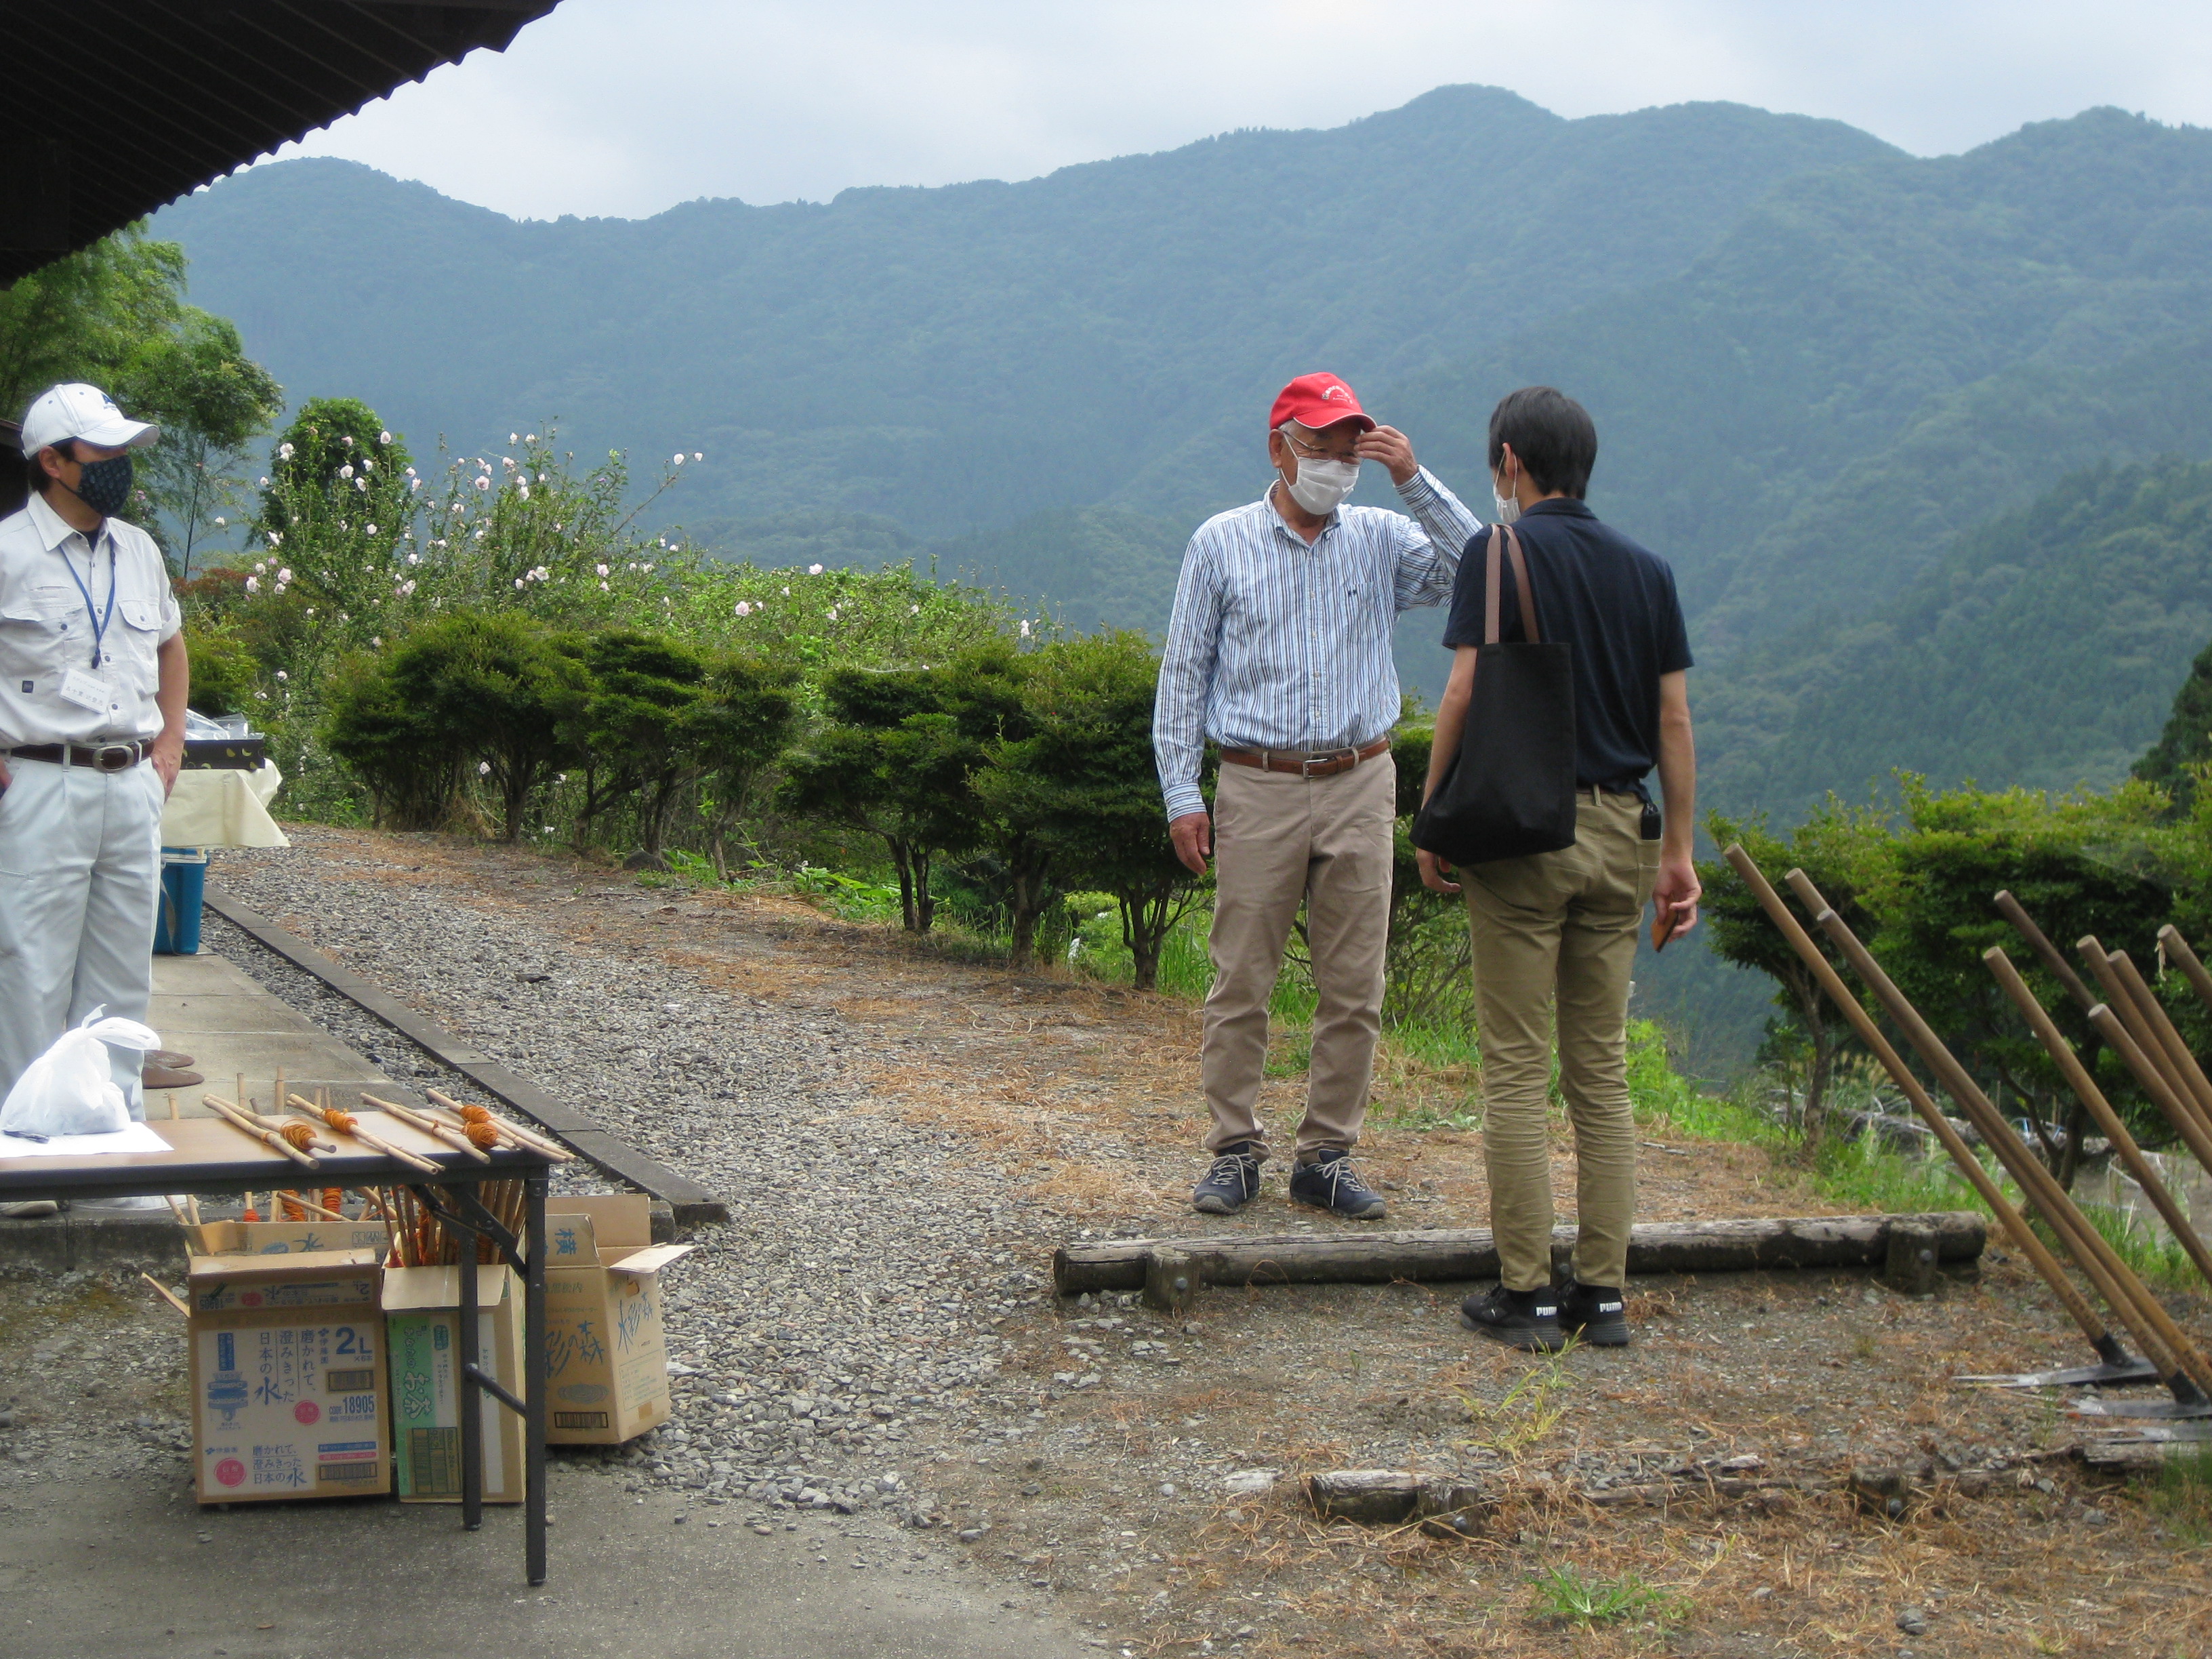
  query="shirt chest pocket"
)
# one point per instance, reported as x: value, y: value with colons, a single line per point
x: 42, y: 623
x: 133, y: 640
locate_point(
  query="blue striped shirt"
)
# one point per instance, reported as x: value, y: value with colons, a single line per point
x: 1278, y: 645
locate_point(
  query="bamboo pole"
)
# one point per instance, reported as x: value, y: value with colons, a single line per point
x: 2117, y: 999
x: 2107, y: 1345
x: 245, y: 1124
x: 2085, y: 1089
x: 2048, y: 954
x: 2179, y: 953
x: 414, y: 1119
x: 2154, y: 1082
x: 2180, y: 1061
x: 167, y: 1294
x: 347, y: 1123
x: 2187, y: 1371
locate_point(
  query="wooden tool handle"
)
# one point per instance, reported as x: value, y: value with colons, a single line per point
x: 243, y: 1123
x: 374, y: 1142
x: 514, y: 1132
x: 429, y: 1126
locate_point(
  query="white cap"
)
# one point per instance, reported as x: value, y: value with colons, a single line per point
x: 75, y: 410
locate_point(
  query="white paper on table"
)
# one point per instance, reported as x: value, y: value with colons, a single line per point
x: 139, y: 1138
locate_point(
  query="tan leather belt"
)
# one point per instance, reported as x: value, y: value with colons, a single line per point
x: 1326, y: 763
x: 101, y: 757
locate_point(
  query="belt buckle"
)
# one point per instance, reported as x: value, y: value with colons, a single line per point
x: 115, y: 757
x: 1306, y: 765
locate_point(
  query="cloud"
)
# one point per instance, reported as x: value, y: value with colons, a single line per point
x: 628, y: 107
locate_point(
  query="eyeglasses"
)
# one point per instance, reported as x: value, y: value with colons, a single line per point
x: 1306, y: 452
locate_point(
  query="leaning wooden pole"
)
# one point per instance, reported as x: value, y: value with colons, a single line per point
x: 2192, y: 1133
x: 2052, y: 958
x: 2180, y: 1061
x: 2086, y: 1089
x: 2180, y: 1364
x: 2117, y: 999
x: 2108, y: 1347
x: 2180, y: 955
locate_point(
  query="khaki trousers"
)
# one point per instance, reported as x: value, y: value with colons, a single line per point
x: 1280, y: 838
x: 1557, y: 932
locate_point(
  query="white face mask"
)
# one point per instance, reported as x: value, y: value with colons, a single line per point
x: 1322, y: 485
x: 1507, y: 507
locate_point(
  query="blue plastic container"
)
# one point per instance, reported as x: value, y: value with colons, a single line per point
x: 184, y: 886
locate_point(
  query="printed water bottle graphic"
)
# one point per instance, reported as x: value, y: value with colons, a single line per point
x: 226, y: 1390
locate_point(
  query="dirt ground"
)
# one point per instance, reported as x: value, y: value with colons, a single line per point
x: 1704, y: 1468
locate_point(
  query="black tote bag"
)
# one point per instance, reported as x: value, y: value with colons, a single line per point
x: 1509, y: 791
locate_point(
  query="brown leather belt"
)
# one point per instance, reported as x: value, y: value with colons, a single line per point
x: 101, y: 757
x: 1325, y: 763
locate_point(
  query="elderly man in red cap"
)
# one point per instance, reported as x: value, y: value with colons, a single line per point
x: 1278, y: 652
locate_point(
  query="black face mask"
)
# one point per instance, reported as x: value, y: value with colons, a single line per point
x: 105, y: 486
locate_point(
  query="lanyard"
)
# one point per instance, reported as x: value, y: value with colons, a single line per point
x: 99, y: 620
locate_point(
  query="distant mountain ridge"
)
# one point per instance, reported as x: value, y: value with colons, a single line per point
x: 961, y: 358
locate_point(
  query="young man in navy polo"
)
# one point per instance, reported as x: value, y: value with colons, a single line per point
x: 1554, y: 934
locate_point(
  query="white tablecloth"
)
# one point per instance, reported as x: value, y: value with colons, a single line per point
x: 219, y: 806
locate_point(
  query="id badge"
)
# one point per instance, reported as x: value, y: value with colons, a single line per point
x: 86, y: 691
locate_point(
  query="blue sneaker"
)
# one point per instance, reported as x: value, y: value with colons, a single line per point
x: 1231, y: 1183
x: 1330, y: 1182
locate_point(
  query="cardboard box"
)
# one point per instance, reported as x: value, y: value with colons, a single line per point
x: 420, y: 1308
x: 607, y: 1359
x: 287, y: 1237
x: 286, y: 1377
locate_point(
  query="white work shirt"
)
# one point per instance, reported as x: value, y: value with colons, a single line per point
x: 47, y: 628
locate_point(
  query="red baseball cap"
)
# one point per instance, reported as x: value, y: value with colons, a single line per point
x: 1316, y: 401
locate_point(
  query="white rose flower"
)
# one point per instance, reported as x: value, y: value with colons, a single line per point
x: 484, y: 768
x: 813, y: 569
x: 253, y: 584
x: 384, y: 437
x: 602, y: 570
x: 743, y: 608
x: 346, y: 472
x: 284, y: 451
x: 282, y: 675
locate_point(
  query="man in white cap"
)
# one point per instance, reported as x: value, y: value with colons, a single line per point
x: 92, y: 684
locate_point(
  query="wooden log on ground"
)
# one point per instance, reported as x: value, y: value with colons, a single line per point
x: 1728, y: 1245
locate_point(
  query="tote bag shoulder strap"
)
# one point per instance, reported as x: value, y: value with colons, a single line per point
x: 1493, y: 569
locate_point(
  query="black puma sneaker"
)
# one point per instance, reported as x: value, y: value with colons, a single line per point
x: 1528, y: 1320
x: 1594, y: 1313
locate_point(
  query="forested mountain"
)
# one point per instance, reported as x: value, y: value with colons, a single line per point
x: 2043, y: 649
x: 960, y: 359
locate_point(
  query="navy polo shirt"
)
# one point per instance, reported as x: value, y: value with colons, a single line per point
x: 1611, y: 599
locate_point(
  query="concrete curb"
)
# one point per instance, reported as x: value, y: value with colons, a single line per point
x: 691, y: 1204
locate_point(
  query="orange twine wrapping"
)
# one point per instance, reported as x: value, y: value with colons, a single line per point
x: 474, y: 1114
x: 338, y: 1120
x: 483, y: 1135
x: 299, y: 1134
x: 334, y: 1199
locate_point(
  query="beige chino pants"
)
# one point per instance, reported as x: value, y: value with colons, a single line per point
x: 1555, y: 934
x: 1280, y: 838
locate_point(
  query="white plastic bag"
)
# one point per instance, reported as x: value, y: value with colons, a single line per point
x: 68, y: 1089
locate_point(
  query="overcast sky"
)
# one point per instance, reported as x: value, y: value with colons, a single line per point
x: 628, y: 107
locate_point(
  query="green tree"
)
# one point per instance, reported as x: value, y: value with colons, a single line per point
x: 2185, y: 744
x: 890, y: 760
x: 114, y: 314
x: 1843, y: 849
x: 2105, y: 865
x: 1082, y: 783
x: 992, y: 693
x: 486, y: 693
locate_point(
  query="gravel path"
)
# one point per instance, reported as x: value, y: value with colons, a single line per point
x: 817, y: 1337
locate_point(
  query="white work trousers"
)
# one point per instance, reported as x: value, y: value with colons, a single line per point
x: 80, y: 879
